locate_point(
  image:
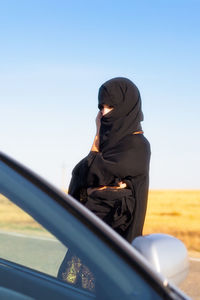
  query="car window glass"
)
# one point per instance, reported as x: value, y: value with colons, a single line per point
x: 26, y: 242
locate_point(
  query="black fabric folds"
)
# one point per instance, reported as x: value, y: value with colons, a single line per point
x: 123, y: 156
x: 115, y: 207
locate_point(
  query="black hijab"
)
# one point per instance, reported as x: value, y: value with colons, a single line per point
x: 121, y: 94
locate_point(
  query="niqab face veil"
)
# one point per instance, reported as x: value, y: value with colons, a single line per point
x: 125, y: 118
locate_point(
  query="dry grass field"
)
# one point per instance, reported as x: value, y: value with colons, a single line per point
x: 173, y: 212
x: 176, y: 213
x: 12, y: 218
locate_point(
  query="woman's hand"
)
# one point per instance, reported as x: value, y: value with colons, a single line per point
x: 122, y: 185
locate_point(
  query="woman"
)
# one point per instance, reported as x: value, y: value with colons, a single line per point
x: 112, y: 181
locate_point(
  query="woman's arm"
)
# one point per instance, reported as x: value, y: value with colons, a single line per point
x: 95, y: 145
x: 121, y: 185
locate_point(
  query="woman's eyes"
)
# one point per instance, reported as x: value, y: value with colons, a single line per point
x: 107, y: 106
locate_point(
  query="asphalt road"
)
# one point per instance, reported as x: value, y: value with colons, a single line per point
x: 39, y: 253
x: 45, y: 255
x: 191, y: 285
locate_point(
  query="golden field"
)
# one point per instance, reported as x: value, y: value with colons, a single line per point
x: 13, y: 219
x: 173, y: 212
x: 176, y: 213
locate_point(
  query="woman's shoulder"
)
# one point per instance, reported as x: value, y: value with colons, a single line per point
x: 140, y: 139
x: 136, y: 145
x: 133, y: 141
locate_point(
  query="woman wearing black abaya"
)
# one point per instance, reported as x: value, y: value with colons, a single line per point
x: 112, y: 181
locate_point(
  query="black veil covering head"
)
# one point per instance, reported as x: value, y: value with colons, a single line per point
x: 123, y: 95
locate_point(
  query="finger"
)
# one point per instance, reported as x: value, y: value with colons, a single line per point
x: 122, y: 185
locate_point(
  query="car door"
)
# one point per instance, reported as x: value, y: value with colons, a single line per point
x: 32, y: 252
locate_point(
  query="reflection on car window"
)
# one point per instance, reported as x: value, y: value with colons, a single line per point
x: 77, y: 272
x: 26, y: 242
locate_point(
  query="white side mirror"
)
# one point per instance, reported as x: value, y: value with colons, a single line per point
x: 167, y: 254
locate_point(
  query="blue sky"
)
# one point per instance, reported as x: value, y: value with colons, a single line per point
x: 55, y: 54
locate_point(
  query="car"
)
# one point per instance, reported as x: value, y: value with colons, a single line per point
x: 49, y: 223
